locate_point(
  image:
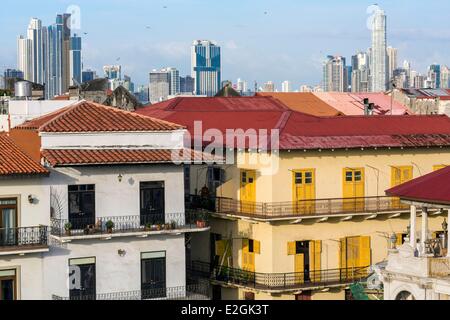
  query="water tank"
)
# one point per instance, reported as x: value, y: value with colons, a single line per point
x: 23, y: 89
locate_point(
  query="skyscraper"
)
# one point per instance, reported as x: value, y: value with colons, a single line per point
x: 187, y: 85
x: 241, y: 86
x: 269, y: 86
x: 159, y: 87
x: 379, y: 68
x: 174, y: 81
x: 286, y: 86
x: 88, y: 75
x: 334, y: 74
x: 392, y: 61
x: 445, y: 77
x: 24, y: 57
x: 75, y: 60
x: 34, y: 34
x: 113, y: 72
x: 206, y: 67
x: 360, y: 72
x: 434, y: 76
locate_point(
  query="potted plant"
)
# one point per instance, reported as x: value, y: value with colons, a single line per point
x: 149, y: 227
x: 109, y: 226
x: 68, y: 228
x: 201, y: 220
x: 158, y: 227
x: 167, y: 226
x: 173, y: 225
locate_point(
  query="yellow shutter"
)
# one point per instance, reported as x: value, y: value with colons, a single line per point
x: 315, y: 251
x: 364, y: 252
x: 256, y: 247
x: 399, y: 239
x: 245, y: 258
x: 220, y: 247
x: 439, y: 167
x: 343, y: 254
x: 299, y: 268
x: 291, y: 248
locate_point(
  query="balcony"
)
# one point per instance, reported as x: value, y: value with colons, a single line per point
x: 124, y: 226
x: 23, y: 240
x: 278, y: 282
x: 319, y: 208
x: 190, y: 292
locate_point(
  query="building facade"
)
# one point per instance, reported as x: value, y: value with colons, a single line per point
x: 334, y: 74
x: 379, y: 61
x: 206, y: 67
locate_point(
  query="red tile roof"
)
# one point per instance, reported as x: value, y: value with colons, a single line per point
x: 92, y: 117
x: 432, y: 188
x: 302, y: 131
x: 13, y: 161
x: 76, y: 157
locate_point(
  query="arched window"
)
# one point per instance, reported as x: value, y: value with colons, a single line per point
x: 405, y: 295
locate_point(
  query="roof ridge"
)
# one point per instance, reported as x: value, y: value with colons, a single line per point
x: 62, y: 112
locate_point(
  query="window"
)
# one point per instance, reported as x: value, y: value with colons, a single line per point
x: 251, y: 246
x: 152, y: 202
x: 8, y: 221
x: 82, y: 206
x: 153, y: 275
x: 82, y: 279
x: 8, y: 285
x: 298, y: 178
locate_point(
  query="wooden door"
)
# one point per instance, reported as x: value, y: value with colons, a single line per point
x: 353, y: 189
x: 248, y: 191
x: 299, y: 268
x: 304, y: 191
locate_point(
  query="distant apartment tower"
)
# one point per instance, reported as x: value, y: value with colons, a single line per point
x: 400, y: 78
x: 159, y: 87
x: 445, y: 77
x: 24, y: 57
x: 113, y: 72
x: 75, y: 60
x: 335, y: 74
x: 35, y: 35
x: 88, y: 75
x: 378, y: 67
x: 175, y: 86
x: 392, y: 54
x: 187, y: 85
x: 206, y: 67
x: 286, y: 86
x: 241, y: 86
x: 434, y: 76
x: 360, y: 76
x: 306, y: 88
x: 13, y: 74
x: 269, y: 86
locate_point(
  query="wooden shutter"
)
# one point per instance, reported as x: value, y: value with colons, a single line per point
x: 256, y: 247
x: 220, y: 247
x: 315, y: 251
x: 364, y: 252
x: 343, y: 254
x: 399, y: 239
x: 291, y: 248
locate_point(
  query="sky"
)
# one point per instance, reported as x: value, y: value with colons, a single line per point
x: 261, y: 40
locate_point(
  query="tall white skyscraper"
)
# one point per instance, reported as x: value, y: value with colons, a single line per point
x: 392, y: 61
x: 360, y: 72
x: 25, y: 57
x: 174, y: 81
x: 334, y: 77
x: 379, y: 68
x: 286, y: 86
x: 34, y: 34
x: 206, y: 67
x: 241, y: 86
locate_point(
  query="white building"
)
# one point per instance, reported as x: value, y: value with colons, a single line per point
x: 286, y: 86
x: 104, y: 218
x: 419, y: 269
x: 378, y: 67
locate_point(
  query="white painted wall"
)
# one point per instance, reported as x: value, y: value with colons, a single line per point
x: 141, y: 140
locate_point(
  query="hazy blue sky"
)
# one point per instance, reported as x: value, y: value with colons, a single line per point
x: 287, y: 43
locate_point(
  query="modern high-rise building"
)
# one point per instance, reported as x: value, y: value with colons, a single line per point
x: 434, y: 76
x: 360, y: 76
x: 88, y: 75
x: 24, y: 57
x: 335, y: 74
x: 286, y: 86
x: 174, y: 81
x: 75, y: 60
x: 13, y: 73
x: 187, y: 85
x: 159, y: 87
x: 269, y: 86
x: 379, y: 68
x: 241, y: 86
x: 445, y: 77
x: 34, y: 34
x: 113, y: 72
x: 400, y: 78
x: 392, y: 54
x: 206, y: 67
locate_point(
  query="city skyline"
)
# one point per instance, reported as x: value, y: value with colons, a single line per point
x: 153, y: 45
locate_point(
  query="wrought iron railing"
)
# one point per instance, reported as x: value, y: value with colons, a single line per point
x: 277, y: 281
x: 23, y: 237
x: 128, y: 224
x: 199, y: 291
x: 304, y: 208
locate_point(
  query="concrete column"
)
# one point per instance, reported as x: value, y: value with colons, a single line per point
x: 412, y: 231
x: 424, y: 228
x: 448, y: 234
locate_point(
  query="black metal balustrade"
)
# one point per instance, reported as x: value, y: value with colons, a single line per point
x: 128, y: 224
x: 199, y: 291
x: 26, y: 237
x: 278, y: 281
x: 304, y: 208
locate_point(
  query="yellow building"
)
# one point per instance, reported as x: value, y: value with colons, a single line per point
x: 309, y: 221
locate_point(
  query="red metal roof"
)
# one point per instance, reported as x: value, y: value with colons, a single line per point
x: 76, y: 157
x: 302, y: 131
x: 92, y: 117
x: 432, y: 188
x: 13, y: 161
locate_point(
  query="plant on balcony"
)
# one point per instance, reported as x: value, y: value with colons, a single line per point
x: 173, y: 225
x: 149, y: 227
x: 109, y: 226
x: 202, y: 218
x: 68, y: 228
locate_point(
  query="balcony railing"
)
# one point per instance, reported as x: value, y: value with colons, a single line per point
x: 305, y: 208
x: 191, y: 292
x: 23, y: 238
x: 128, y: 224
x: 278, y: 281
